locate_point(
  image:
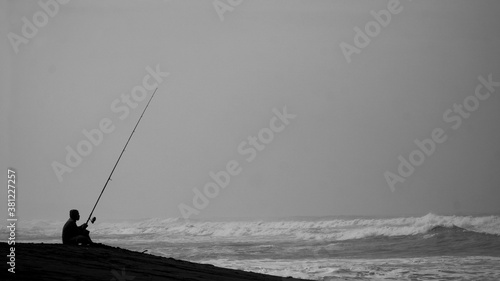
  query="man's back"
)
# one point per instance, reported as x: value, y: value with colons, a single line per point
x: 69, y: 231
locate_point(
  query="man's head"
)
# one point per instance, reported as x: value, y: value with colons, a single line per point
x: 74, y: 214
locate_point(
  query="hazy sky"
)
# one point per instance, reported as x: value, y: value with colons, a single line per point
x: 226, y: 76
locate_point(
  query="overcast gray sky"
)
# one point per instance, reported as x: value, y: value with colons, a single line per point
x: 353, y: 119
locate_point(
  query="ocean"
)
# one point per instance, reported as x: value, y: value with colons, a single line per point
x: 430, y: 247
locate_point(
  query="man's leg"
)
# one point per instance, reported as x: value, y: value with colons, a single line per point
x: 81, y: 239
x: 88, y: 237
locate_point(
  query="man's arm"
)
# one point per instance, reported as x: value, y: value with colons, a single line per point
x: 83, y: 228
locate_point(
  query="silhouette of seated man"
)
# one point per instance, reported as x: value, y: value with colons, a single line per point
x: 73, y: 234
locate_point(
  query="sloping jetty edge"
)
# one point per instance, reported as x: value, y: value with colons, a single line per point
x: 40, y: 261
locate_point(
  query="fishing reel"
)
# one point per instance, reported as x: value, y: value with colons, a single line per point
x: 93, y: 220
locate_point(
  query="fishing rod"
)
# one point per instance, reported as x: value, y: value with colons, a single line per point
x: 109, y: 178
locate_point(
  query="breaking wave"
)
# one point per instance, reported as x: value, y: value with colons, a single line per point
x: 334, y: 229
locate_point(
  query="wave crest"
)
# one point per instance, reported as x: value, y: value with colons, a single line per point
x: 175, y: 229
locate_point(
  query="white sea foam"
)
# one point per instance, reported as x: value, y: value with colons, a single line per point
x: 292, y: 247
x: 429, y: 268
x: 157, y: 229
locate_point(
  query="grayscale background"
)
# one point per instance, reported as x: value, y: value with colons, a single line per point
x: 353, y: 119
